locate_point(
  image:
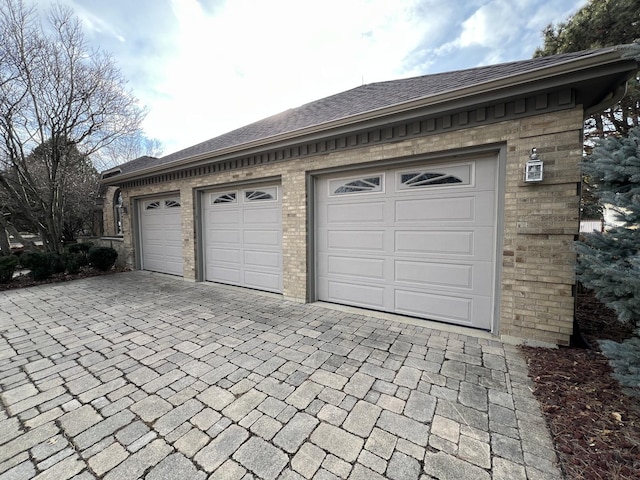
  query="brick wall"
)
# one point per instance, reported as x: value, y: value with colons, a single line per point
x: 538, y: 225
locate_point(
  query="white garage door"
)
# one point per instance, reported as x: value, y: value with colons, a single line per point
x: 418, y: 241
x: 161, y: 234
x: 243, y: 237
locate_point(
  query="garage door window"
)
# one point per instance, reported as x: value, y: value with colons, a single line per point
x: 223, y: 198
x: 152, y: 205
x: 366, y: 184
x: 171, y: 203
x: 453, y: 176
x: 261, y: 195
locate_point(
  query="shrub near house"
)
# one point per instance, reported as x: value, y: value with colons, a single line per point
x: 102, y: 258
x: 7, y: 267
x: 42, y: 265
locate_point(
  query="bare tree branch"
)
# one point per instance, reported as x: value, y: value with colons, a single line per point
x: 59, y: 103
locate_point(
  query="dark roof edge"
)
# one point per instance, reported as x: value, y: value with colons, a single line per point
x: 598, y: 58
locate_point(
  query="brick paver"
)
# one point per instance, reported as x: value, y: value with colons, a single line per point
x: 138, y: 375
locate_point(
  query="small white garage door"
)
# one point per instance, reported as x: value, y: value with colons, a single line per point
x: 418, y: 240
x: 161, y: 235
x: 243, y: 237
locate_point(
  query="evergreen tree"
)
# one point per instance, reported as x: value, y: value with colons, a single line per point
x: 600, y: 23
x: 609, y: 262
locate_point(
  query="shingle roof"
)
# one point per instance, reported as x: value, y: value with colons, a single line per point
x: 363, y: 99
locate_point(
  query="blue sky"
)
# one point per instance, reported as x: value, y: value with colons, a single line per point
x: 205, y: 67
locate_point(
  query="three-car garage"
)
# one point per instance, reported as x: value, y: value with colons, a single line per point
x: 417, y: 240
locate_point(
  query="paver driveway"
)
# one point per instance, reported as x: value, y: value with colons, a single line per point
x: 143, y: 376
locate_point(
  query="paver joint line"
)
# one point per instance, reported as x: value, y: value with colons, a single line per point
x: 145, y: 376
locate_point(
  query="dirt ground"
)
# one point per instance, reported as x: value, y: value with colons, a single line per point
x: 594, y: 424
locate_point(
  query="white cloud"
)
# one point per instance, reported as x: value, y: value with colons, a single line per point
x: 204, y: 71
x: 499, y: 30
x: 252, y: 59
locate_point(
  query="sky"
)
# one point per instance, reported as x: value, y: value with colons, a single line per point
x: 205, y: 67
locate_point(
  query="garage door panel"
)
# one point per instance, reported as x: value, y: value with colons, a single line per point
x: 472, y: 311
x: 435, y: 242
x: 269, y: 238
x: 477, y: 209
x: 436, y: 306
x: 243, y: 241
x: 222, y: 236
x: 434, y: 274
x: 372, y: 268
x: 173, y: 251
x: 259, y: 216
x: 475, y: 244
x: 174, y: 265
x: 154, y: 263
x: 435, y: 209
x: 153, y: 220
x: 153, y: 251
x: 172, y: 236
x: 262, y: 280
x: 224, y: 215
x: 226, y: 255
x: 356, y: 294
x: 458, y: 277
x: 262, y: 258
x: 354, y: 239
x: 224, y: 274
x: 356, y: 213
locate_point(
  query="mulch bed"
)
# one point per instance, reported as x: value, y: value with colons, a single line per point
x: 595, y: 426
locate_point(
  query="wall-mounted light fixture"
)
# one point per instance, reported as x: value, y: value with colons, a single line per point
x: 533, y: 170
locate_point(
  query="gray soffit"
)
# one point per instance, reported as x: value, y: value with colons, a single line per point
x: 596, y: 75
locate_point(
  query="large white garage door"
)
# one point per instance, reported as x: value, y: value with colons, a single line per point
x: 418, y: 240
x: 243, y: 237
x: 161, y: 235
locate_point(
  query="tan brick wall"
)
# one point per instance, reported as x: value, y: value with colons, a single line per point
x: 539, y: 220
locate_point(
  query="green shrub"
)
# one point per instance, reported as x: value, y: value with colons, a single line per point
x: 38, y: 264
x: 26, y: 259
x: 7, y: 267
x: 56, y: 262
x: 80, y: 249
x: 102, y: 258
x: 74, y: 261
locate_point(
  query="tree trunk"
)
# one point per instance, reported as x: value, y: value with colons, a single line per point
x: 5, y: 247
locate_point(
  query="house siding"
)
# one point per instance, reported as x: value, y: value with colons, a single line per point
x: 538, y: 225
